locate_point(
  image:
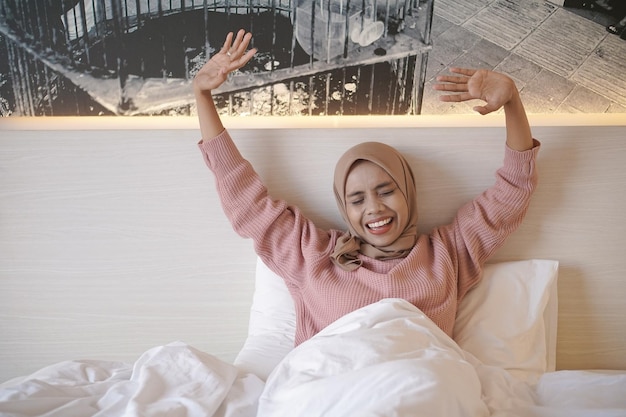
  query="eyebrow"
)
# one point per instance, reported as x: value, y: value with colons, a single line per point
x: 378, y: 187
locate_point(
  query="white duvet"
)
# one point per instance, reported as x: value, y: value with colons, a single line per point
x: 387, y: 359
x: 172, y: 380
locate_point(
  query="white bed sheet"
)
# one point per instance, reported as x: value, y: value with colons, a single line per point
x: 385, y: 359
x: 171, y: 380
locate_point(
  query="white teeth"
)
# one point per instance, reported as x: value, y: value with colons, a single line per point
x: 379, y: 224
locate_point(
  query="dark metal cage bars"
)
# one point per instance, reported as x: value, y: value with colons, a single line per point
x: 137, y: 56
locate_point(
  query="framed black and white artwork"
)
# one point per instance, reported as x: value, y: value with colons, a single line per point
x: 316, y: 57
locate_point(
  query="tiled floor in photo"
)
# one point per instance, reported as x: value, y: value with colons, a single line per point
x: 561, y: 60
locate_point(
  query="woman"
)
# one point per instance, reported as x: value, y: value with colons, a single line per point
x: 331, y: 272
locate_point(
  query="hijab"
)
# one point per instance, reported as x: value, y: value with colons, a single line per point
x: 350, y: 244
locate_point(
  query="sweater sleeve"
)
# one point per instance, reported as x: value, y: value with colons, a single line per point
x: 282, y: 236
x: 482, y: 225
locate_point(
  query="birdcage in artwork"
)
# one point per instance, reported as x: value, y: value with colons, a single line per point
x: 138, y: 57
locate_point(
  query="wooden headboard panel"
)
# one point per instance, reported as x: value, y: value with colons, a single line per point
x: 112, y: 239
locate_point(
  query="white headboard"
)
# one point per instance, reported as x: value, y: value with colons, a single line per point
x: 112, y: 238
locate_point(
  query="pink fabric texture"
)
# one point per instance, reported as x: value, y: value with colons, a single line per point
x: 436, y: 274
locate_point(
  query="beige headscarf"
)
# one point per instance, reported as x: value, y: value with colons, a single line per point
x: 351, y: 244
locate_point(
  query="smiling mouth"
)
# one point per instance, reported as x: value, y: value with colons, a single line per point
x: 379, y: 224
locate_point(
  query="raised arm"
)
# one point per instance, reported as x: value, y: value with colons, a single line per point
x: 282, y: 236
x: 213, y: 73
x: 497, y: 91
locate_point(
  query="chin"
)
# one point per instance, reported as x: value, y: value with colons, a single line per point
x: 381, y: 241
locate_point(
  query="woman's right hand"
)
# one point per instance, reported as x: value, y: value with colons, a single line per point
x: 231, y: 57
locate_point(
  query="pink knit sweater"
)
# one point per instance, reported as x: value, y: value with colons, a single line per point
x: 434, y: 277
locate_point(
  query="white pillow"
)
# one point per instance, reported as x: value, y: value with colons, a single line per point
x: 509, y: 319
x: 272, y: 327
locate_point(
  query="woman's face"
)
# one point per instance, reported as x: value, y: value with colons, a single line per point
x: 376, y: 208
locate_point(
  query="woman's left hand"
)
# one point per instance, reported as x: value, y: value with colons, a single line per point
x: 494, y: 88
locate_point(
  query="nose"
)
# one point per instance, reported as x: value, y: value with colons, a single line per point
x: 374, y: 206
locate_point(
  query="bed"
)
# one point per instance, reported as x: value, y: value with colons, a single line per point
x: 125, y: 292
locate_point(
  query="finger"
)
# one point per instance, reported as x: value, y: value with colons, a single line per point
x: 242, y: 42
x: 227, y: 42
x: 238, y: 40
x: 455, y: 98
x: 455, y: 79
x: 247, y: 56
x: 243, y: 60
x: 480, y: 109
x: 454, y: 87
x: 465, y: 71
x: 486, y: 109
